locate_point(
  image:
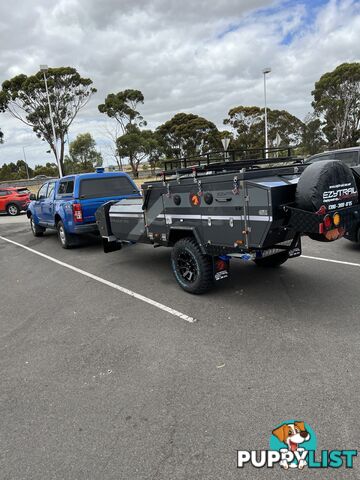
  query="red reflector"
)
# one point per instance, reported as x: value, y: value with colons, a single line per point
x: 221, y: 265
x: 322, y: 210
x: 77, y: 212
x: 321, y: 228
x: 327, y: 222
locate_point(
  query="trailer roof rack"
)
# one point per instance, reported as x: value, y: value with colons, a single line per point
x: 231, y: 160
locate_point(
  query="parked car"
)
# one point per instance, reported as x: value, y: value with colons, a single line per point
x: 14, y: 200
x: 68, y: 205
x: 42, y: 178
x: 350, y: 156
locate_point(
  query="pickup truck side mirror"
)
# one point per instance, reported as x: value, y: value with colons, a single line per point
x: 32, y: 196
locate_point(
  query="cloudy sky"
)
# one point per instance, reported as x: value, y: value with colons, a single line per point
x: 195, y: 56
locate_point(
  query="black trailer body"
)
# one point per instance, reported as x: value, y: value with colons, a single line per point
x: 229, y: 210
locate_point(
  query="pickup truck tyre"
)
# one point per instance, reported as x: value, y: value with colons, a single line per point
x: 66, y: 239
x: 272, y: 261
x: 12, y: 210
x: 192, y: 269
x: 37, y: 230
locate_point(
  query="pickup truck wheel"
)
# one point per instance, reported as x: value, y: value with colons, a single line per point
x: 192, y: 269
x: 12, y: 210
x: 37, y: 230
x: 272, y: 260
x: 66, y: 239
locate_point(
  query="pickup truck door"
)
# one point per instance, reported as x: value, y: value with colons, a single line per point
x: 41, y: 196
x: 47, y: 206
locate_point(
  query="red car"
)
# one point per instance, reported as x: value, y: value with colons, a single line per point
x: 13, y: 200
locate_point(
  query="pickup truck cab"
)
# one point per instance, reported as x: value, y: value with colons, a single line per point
x: 68, y: 204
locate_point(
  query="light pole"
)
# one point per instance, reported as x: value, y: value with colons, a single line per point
x: 44, y: 69
x: 27, y: 168
x: 265, y: 71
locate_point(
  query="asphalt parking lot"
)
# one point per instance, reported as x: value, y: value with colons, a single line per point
x: 98, y: 384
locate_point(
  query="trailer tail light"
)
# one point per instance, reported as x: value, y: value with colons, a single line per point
x: 327, y: 222
x: 77, y: 213
x: 336, y: 219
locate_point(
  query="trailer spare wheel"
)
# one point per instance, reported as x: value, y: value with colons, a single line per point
x: 329, y: 184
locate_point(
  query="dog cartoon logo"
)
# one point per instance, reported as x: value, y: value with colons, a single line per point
x: 293, y: 444
x: 291, y: 437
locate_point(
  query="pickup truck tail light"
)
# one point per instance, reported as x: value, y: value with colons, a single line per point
x: 77, y: 212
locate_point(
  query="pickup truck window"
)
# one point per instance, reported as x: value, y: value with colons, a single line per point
x: 66, y: 187
x: 50, y: 189
x: 3, y: 193
x: 42, y: 192
x: 106, y: 187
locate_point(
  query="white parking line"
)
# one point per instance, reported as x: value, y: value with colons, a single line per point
x: 169, y: 310
x: 331, y: 261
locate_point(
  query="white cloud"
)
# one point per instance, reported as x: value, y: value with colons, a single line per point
x: 204, y: 57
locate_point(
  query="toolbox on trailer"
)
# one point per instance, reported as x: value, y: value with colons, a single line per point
x: 254, y: 206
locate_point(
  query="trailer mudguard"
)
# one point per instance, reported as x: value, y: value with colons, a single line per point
x: 103, y: 219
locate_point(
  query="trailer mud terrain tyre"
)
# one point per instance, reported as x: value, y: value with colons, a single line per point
x: 192, y: 269
x: 37, y: 230
x: 272, y: 260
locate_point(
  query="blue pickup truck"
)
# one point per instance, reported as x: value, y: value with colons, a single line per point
x: 68, y: 205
